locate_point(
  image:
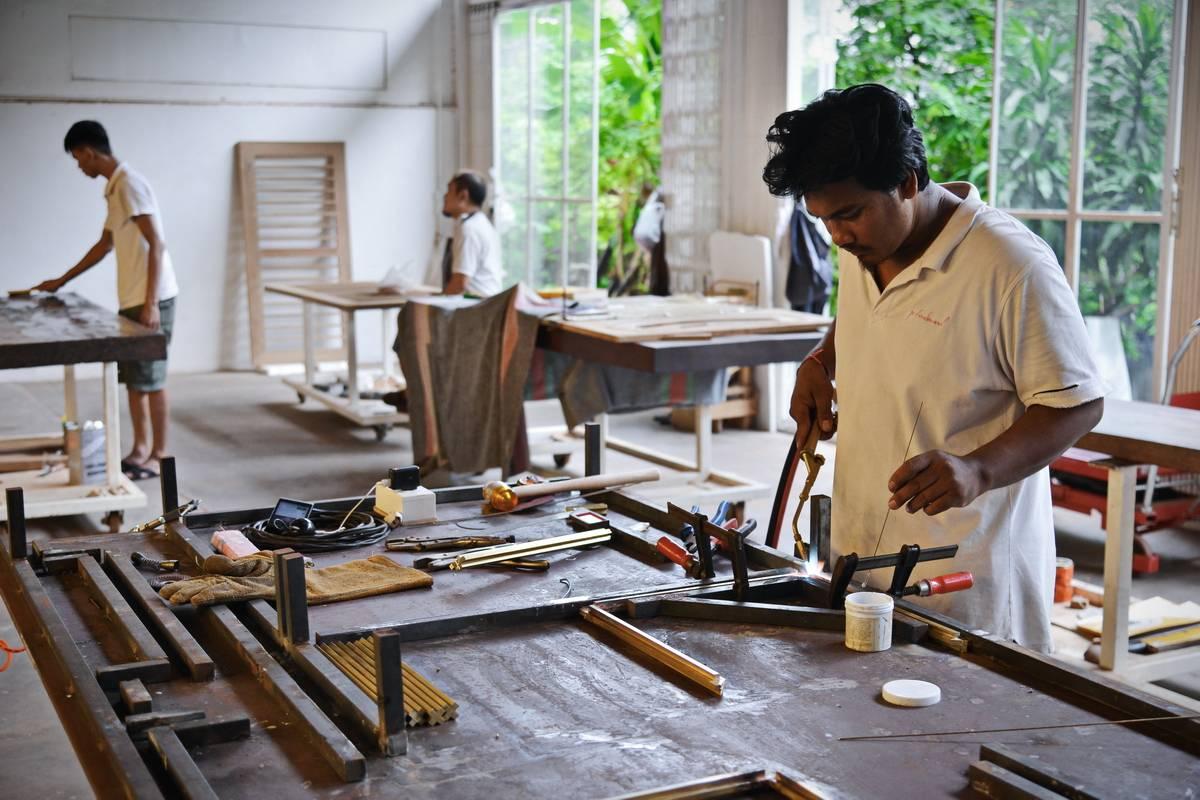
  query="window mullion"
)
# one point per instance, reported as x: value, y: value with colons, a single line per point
x: 563, y: 264
x: 997, y: 77
x: 1078, y: 144
x: 529, y: 110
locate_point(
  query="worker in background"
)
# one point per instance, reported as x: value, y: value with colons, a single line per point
x: 956, y: 328
x: 146, y: 286
x: 472, y: 265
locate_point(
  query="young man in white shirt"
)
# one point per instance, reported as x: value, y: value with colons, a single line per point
x: 955, y: 327
x: 146, y: 285
x: 474, y: 266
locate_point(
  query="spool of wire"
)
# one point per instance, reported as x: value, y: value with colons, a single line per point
x: 326, y: 530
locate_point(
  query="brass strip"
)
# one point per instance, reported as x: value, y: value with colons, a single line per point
x: 684, y: 665
x: 491, y: 555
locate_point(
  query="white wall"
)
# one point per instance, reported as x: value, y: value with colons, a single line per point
x: 220, y: 83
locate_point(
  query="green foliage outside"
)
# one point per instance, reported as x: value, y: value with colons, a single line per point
x: 630, y: 134
x: 938, y: 54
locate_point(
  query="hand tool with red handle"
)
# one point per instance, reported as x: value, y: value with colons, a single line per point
x: 942, y: 584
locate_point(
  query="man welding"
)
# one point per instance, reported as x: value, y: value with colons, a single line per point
x: 961, y: 360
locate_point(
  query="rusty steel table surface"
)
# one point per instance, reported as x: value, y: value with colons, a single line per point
x: 550, y: 708
x: 52, y: 329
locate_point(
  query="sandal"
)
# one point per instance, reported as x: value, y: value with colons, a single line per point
x: 137, y: 472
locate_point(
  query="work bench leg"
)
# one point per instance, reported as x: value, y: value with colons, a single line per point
x: 351, y: 358
x: 1118, y: 566
x: 310, y: 343
x: 704, y: 420
x: 70, y: 394
x: 112, y: 426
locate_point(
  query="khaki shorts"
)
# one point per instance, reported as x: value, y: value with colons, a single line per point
x: 148, y: 376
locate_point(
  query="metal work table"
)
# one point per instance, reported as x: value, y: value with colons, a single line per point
x: 547, y: 705
x: 1134, y: 433
x: 65, y: 329
x: 349, y: 299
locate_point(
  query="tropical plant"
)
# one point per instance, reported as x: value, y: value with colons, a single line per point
x: 938, y: 55
x: 630, y: 110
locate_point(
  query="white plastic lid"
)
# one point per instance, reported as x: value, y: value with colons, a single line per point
x: 870, y: 601
x: 912, y: 694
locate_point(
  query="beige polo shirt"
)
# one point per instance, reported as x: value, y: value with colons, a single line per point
x: 128, y: 195
x: 980, y: 327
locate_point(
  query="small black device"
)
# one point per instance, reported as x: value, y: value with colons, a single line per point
x: 288, y: 513
x: 404, y: 479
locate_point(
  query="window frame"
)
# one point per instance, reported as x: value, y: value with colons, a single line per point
x: 1074, y: 215
x: 565, y: 200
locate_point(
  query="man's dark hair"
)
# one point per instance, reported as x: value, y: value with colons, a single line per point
x: 474, y: 185
x: 87, y: 133
x: 864, y: 132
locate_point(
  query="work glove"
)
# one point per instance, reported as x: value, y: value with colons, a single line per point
x: 253, y: 578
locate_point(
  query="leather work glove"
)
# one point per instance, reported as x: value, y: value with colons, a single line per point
x: 253, y: 578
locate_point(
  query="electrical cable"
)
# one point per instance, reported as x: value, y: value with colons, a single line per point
x: 8, y: 654
x: 364, y: 529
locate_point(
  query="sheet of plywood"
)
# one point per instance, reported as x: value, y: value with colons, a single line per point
x: 645, y: 319
x: 296, y: 227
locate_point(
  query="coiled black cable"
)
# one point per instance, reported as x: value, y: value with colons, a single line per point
x: 334, y: 530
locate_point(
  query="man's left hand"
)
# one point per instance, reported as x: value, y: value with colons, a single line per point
x: 150, y: 316
x: 935, y: 481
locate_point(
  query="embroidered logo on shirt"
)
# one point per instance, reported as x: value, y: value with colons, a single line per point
x: 926, y: 316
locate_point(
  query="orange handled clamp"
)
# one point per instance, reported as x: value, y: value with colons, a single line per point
x: 942, y: 584
x: 674, y: 551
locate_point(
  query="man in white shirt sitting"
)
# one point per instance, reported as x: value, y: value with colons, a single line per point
x: 474, y: 255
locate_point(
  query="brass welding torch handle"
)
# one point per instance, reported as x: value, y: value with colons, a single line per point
x: 813, y: 461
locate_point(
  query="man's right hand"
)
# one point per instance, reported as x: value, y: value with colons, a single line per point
x: 812, y: 401
x: 52, y: 285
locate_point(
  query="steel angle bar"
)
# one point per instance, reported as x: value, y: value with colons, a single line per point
x: 660, y: 652
x: 188, y: 779
x: 996, y: 782
x: 1039, y: 772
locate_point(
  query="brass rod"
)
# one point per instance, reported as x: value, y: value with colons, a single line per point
x: 537, y: 547
x: 647, y: 645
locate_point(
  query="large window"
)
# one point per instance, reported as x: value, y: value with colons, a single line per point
x: 546, y: 142
x: 1083, y: 137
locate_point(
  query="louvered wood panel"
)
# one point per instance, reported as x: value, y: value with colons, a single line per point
x: 297, y: 230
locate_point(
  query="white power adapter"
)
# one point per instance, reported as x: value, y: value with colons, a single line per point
x: 409, y: 507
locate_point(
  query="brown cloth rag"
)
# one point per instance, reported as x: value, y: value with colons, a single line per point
x: 253, y: 578
x: 466, y: 367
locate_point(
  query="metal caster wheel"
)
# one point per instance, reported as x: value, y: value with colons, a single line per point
x: 300, y: 398
x: 115, y: 520
x: 561, y: 459
x: 381, y: 431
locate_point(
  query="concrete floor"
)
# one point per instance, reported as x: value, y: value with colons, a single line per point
x: 242, y: 440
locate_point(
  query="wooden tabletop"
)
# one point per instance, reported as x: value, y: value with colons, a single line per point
x: 682, y: 355
x: 349, y: 296
x: 1148, y: 433
x: 48, y: 329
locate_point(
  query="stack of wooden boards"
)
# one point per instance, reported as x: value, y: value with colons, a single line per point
x: 648, y: 318
x: 424, y: 703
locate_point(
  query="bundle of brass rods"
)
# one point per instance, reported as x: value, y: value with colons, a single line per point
x: 504, y: 552
x: 424, y: 703
x: 661, y: 652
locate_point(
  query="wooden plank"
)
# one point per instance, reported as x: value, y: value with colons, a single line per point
x: 349, y: 296
x: 181, y: 644
x: 650, y: 319
x: 15, y: 463
x: 1147, y: 433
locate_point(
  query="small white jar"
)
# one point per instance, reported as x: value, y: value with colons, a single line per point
x: 869, y: 621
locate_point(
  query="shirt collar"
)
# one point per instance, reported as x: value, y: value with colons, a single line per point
x: 957, y: 227
x: 112, y: 179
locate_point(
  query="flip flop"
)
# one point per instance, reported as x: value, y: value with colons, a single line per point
x: 137, y: 472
